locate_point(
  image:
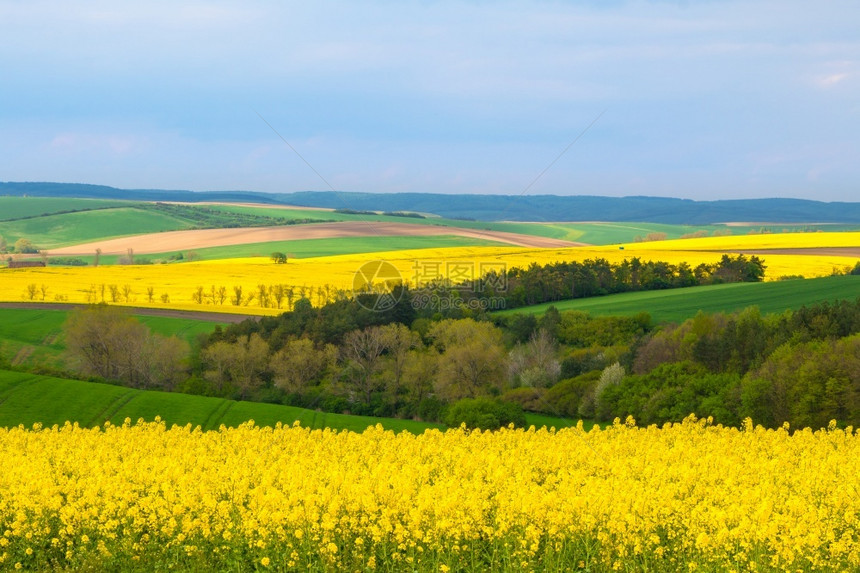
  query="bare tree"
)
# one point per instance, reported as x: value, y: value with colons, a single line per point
x: 236, y: 300
x: 536, y: 362
x: 362, y: 350
x: 419, y: 374
x: 398, y: 341
x: 107, y: 342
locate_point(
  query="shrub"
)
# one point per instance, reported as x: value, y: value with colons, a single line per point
x: 430, y: 409
x: 572, y: 397
x: 484, y: 414
x: 526, y: 397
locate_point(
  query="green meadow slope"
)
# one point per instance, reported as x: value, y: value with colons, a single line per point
x: 23, y: 207
x: 677, y: 305
x: 31, y: 398
x: 57, y: 230
x: 36, y: 399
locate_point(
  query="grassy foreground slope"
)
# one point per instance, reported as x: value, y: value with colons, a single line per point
x: 680, y: 304
x: 30, y: 398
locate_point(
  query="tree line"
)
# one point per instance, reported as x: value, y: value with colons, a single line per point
x: 566, y: 280
x: 801, y: 367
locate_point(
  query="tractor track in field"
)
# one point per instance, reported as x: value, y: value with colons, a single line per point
x: 23, y: 355
x: 112, y: 408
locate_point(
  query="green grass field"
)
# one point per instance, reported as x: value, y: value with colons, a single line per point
x: 54, y: 231
x: 35, y: 337
x: 31, y: 398
x: 678, y: 305
x: 18, y: 207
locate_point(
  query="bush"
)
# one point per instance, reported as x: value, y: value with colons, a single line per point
x: 572, y: 397
x: 67, y: 261
x: 430, y: 409
x: 526, y: 397
x: 484, y: 414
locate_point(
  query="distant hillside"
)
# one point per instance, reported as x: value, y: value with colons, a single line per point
x: 587, y: 208
x: 86, y: 191
x: 492, y: 207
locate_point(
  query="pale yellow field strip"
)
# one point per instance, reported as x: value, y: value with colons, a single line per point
x: 731, y: 243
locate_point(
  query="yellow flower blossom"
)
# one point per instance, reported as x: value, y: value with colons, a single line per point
x: 625, y: 497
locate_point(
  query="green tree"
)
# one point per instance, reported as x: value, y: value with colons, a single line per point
x: 806, y: 384
x: 238, y: 364
x: 299, y: 364
x: 399, y: 341
x: 24, y: 246
x: 472, y: 358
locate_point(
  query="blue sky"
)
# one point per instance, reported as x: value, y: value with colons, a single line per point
x: 702, y: 99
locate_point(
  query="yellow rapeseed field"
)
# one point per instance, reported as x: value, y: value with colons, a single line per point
x: 687, y: 496
x: 177, y: 285
x: 753, y: 242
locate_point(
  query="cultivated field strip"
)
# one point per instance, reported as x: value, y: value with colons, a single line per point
x: 198, y: 239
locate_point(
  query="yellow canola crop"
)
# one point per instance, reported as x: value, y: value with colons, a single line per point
x: 730, y: 243
x: 318, y: 278
x: 683, y: 497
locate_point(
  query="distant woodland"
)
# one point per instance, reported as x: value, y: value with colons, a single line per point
x: 491, y: 207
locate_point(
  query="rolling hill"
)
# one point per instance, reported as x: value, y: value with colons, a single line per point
x: 546, y: 208
x: 678, y: 305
